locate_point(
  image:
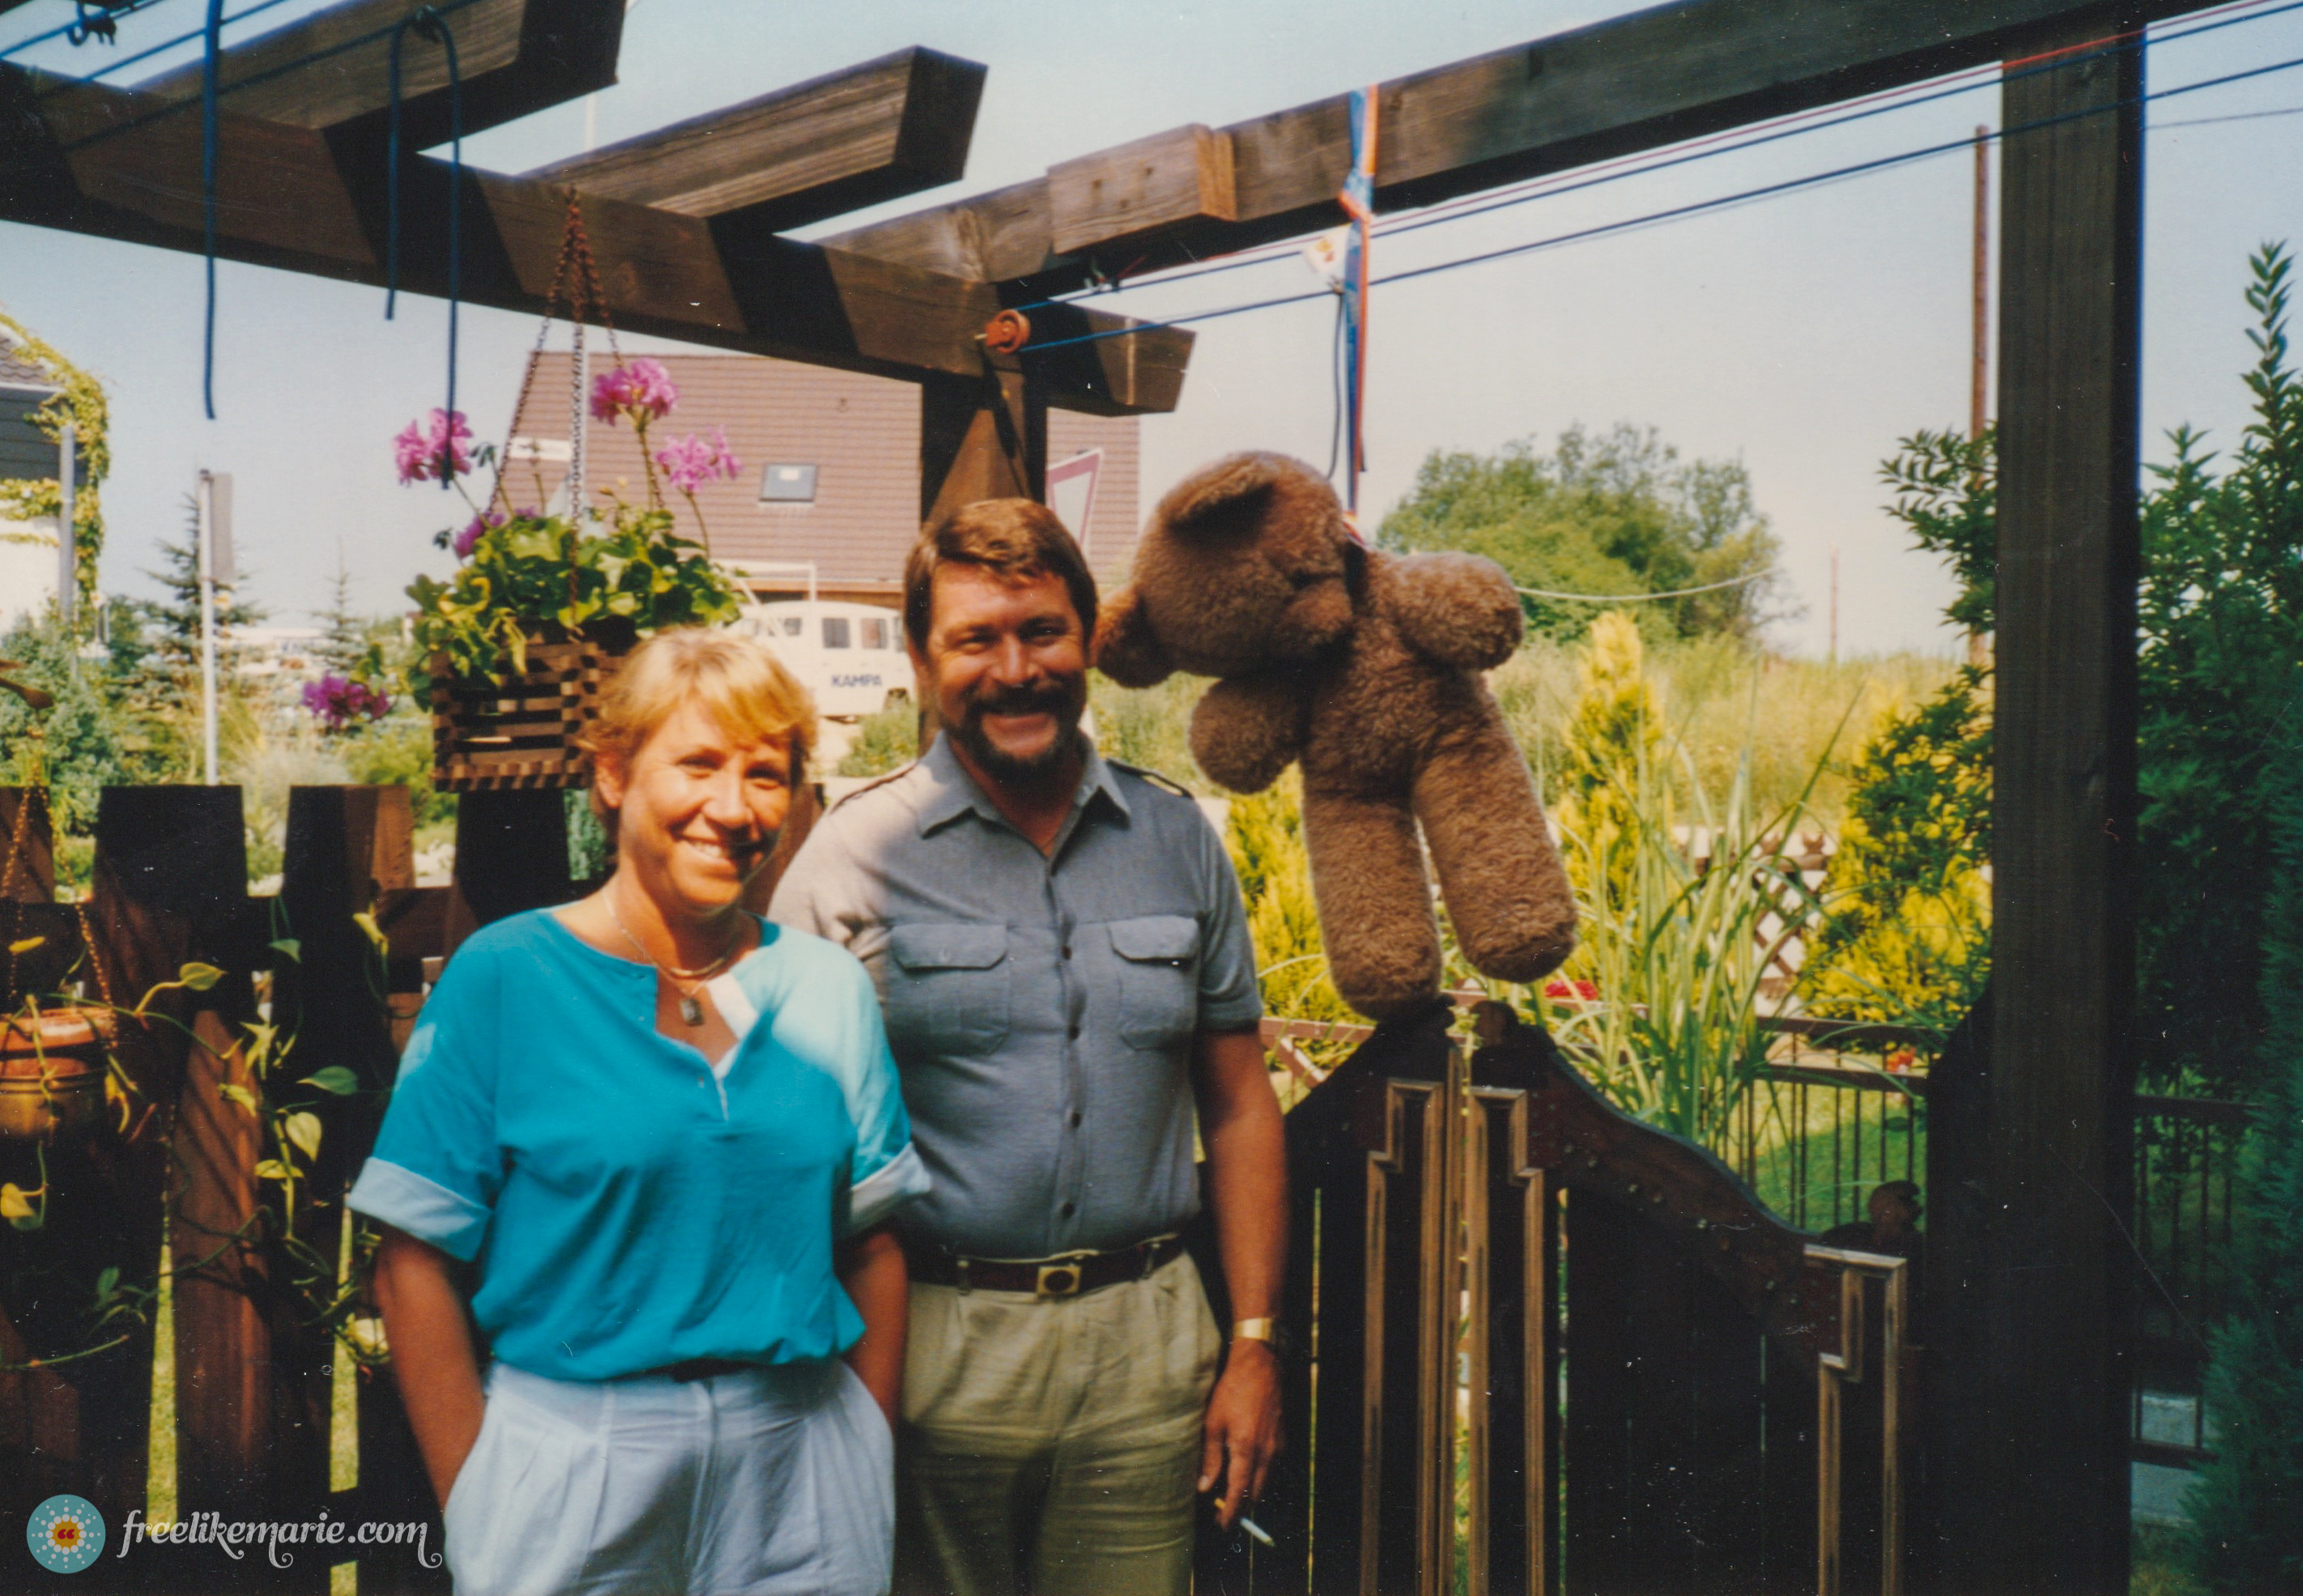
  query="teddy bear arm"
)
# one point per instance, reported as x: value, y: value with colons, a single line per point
x: 1457, y: 609
x: 1247, y: 729
x: 1125, y: 647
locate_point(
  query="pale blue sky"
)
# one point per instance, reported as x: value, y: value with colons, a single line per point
x: 1803, y: 333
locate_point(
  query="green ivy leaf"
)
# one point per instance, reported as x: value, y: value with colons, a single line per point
x: 198, y: 977
x: 233, y: 1090
x: 16, y: 1208
x: 272, y: 1169
x: 365, y: 921
x: 303, y: 1132
x: 335, y: 1079
x: 289, y: 947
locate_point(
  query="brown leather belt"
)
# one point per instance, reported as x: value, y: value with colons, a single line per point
x: 1067, y: 1275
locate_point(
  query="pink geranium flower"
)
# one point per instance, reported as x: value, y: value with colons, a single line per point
x: 692, y: 461
x: 469, y: 537
x: 338, y: 702
x: 642, y: 390
x: 423, y: 448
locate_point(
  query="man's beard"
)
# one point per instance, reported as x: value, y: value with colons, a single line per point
x: 1065, y: 701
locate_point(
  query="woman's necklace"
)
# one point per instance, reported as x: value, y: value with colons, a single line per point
x: 686, y: 982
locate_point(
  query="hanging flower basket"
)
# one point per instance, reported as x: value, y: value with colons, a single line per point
x: 487, y: 736
x: 519, y: 644
x: 52, y: 1070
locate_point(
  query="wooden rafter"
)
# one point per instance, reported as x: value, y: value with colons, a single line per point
x: 1635, y: 82
x: 332, y: 70
x: 834, y: 143
x: 116, y: 163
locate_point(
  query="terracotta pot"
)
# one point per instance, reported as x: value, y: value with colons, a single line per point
x: 52, y: 1070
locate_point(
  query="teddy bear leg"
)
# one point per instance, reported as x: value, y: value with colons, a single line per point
x: 1499, y: 876
x: 1375, y: 902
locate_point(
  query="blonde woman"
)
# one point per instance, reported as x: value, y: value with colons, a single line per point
x: 664, y: 1136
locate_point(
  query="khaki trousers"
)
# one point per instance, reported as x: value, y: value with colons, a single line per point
x: 1051, y: 1445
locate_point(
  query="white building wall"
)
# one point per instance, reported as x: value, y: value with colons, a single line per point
x: 28, y: 569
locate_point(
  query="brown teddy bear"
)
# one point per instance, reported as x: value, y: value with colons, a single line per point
x: 1365, y: 666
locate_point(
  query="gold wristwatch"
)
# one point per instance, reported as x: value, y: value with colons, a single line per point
x: 1269, y: 1331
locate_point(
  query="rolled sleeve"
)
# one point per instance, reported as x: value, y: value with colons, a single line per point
x: 423, y: 1209
x: 438, y: 1163
x: 1230, y: 997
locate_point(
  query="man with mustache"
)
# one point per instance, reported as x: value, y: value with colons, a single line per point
x: 1070, y: 991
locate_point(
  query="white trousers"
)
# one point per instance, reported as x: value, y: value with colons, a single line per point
x: 777, y: 1481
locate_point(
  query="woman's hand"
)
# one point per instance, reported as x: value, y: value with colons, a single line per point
x: 431, y: 1342
x: 872, y: 1269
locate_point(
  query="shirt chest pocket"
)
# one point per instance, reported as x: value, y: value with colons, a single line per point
x: 950, y: 987
x: 1159, y: 979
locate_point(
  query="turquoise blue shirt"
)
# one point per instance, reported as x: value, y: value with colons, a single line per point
x: 628, y: 1204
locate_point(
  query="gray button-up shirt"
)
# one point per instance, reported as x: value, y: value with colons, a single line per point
x: 1041, y: 1007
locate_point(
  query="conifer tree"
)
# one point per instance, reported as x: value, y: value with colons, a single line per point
x: 2247, y: 1507
x: 344, y: 635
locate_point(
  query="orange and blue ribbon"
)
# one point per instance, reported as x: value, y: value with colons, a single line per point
x: 1358, y: 200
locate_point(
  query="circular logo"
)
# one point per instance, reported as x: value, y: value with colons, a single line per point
x: 66, y: 1534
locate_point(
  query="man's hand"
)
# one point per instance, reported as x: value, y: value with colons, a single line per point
x: 1243, y: 1428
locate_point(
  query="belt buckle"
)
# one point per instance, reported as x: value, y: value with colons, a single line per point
x: 1059, y: 1280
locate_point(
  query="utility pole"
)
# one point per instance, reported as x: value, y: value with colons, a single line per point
x: 206, y: 501
x: 1835, y: 604
x: 67, y: 507
x: 1979, y: 364
x: 1979, y: 648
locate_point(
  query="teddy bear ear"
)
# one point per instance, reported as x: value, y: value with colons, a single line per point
x: 1216, y: 497
x: 1126, y: 648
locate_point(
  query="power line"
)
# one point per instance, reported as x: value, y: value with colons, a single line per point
x: 74, y: 27
x: 149, y: 51
x: 442, y: 8
x: 1679, y: 212
x: 1628, y: 598
x: 1719, y: 144
x: 2201, y: 122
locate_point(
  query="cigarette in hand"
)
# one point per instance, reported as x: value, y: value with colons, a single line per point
x: 1258, y: 1530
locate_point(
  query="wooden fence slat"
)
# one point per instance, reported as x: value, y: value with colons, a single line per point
x: 81, y: 1425
x: 511, y: 854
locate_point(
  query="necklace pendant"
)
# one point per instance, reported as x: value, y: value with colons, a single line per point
x: 690, y: 1009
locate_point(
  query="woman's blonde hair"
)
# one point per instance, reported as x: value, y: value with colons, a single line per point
x: 736, y: 679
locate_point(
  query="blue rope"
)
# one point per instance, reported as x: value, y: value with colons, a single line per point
x: 210, y: 64
x: 428, y: 23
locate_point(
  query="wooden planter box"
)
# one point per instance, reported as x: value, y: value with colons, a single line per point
x: 487, y: 737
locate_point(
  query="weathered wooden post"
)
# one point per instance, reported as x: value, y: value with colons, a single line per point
x: 2046, y: 1505
x: 511, y: 854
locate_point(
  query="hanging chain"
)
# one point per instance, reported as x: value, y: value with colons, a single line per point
x: 18, y: 867
x: 578, y: 273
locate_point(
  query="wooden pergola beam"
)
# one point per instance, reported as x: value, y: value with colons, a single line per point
x: 117, y: 164
x: 332, y: 70
x: 2042, y: 1506
x: 834, y: 143
x: 1631, y: 83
